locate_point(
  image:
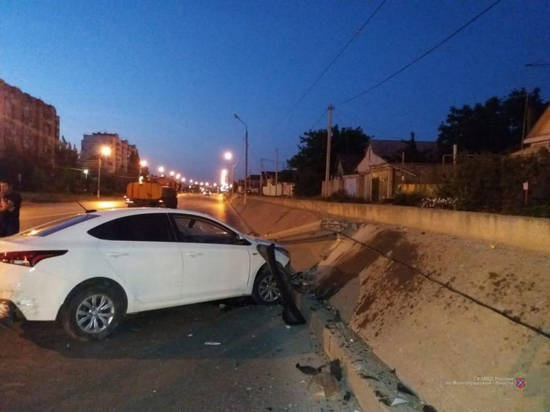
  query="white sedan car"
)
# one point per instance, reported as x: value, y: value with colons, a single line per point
x: 89, y: 270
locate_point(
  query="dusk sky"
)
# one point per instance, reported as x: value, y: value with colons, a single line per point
x: 168, y: 75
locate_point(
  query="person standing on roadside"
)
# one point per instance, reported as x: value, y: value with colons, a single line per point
x: 10, y: 205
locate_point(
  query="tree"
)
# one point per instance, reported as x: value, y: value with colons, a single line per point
x: 412, y: 154
x: 309, y: 162
x: 495, y: 126
x: 133, y: 164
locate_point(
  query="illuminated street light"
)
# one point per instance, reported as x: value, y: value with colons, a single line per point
x: 86, y: 171
x: 201, y: 183
x: 142, y: 163
x: 106, y: 152
x: 183, y: 179
x: 228, y: 155
x: 178, y: 175
x: 172, y: 173
x: 161, y: 169
x: 207, y: 183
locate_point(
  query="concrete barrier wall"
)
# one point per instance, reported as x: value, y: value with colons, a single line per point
x: 456, y: 319
x: 524, y: 232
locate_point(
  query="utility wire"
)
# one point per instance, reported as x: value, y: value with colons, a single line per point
x: 331, y: 63
x: 318, y: 119
x: 424, y: 54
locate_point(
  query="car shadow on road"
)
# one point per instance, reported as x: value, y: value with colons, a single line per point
x: 233, y: 329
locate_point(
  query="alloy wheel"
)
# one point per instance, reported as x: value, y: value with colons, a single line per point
x: 268, y: 289
x: 95, y: 313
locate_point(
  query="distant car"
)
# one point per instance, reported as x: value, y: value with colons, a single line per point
x: 91, y: 269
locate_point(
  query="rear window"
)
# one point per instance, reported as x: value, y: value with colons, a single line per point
x: 57, y: 225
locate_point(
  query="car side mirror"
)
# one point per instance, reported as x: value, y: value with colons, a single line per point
x: 241, y: 240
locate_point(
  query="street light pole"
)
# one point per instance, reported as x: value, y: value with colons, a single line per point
x: 103, y: 151
x: 99, y: 176
x: 245, y: 155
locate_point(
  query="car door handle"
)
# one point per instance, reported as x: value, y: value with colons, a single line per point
x: 193, y: 254
x: 115, y: 254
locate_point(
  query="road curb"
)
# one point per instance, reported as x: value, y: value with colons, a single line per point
x: 366, y: 375
x: 247, y: 227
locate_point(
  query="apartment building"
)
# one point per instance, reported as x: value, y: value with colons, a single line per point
x: 116, y: 162
x: 27, y: 123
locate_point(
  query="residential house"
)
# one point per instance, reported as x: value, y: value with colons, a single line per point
x: 386, y: 167
x: 539, y: 136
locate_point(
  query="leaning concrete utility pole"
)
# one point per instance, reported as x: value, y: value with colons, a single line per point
x: 329, y: 140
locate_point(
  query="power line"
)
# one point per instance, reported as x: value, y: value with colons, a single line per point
x: 424, y: 54
x: 318, y: 119
x: 331, y: 63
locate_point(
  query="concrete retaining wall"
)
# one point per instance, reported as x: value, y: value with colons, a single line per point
x: 524, y: 232
x: 454, y: 316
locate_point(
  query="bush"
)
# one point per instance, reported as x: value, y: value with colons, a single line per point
x: 408, y: 199
x: 343, y: 197
x: 493, y: 183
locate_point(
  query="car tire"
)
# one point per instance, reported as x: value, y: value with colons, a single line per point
x: 265, y: 290
x: 93, y: 312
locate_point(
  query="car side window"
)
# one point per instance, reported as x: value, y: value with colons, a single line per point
x: 151, y: 227
x: 198, y: 230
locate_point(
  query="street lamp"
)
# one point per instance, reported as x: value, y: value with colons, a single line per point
x: 229, y: 156
x: 161, y: 170
x: 245, y: 154
x: 178, y: 176
x: 103, y: 151
x: 172, y: 173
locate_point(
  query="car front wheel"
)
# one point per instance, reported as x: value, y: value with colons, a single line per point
x: 93, y: 313
x: 266, y: 291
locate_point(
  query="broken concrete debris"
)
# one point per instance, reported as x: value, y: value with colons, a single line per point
x: 309, y: 370
x: 405, y: 389
x: 336, y: 369
x: 398, y: 401
x: 326, y: 383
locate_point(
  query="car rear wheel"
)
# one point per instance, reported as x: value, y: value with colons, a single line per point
x: 266, y: 291
x: 93, y: 312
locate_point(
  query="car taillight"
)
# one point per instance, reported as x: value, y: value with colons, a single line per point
x: 29, y: 258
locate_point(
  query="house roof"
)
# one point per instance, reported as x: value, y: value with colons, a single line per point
x: 390, y: 150
x: 541, y: 130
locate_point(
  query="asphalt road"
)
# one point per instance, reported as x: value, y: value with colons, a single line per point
x: 204, y: 357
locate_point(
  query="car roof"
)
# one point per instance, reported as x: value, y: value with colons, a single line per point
x: 106, y: 215
x: 120, y: 212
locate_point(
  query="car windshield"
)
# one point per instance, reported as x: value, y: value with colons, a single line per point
x: 57, y: 225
